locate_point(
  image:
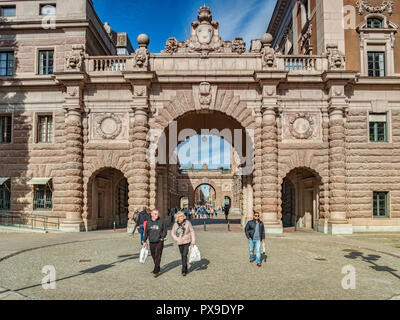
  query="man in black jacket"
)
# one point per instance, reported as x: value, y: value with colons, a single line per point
x: 156, y: 231
x: 255, y: 232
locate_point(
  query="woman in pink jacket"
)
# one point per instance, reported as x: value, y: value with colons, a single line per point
x: 183, y: 234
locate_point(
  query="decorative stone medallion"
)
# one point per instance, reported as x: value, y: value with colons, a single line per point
x: 301, y: 126
x: 109, y: 126
x: 363, y: 5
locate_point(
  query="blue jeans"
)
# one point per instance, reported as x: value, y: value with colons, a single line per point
x: 141, y: 230
x: 255, y: 245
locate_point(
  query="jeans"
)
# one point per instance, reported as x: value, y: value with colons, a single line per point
x: 156, y: 250
x: 184, y: 250
x: 255, y: 245
x: 141, y: 231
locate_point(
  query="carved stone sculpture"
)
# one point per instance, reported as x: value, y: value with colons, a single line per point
x: 74, y: 59
x: 238, y: 45
x: 205, y: 96
x: 109, y: 126
x: 301, y: 126
x: 336, y: 59
x: 171, y: 46
x: 363, y: 5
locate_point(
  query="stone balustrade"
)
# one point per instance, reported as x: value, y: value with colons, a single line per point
x: 215, y: 62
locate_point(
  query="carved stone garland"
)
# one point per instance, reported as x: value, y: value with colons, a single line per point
x: 363, y: 5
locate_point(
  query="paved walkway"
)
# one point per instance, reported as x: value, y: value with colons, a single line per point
x: 104, y: 265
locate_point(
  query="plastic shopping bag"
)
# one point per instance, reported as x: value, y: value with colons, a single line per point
x: 143, y: 255
x: 263, y: 248
x: 194, y: 254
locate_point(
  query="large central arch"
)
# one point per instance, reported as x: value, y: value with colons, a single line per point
x: 166, y: 192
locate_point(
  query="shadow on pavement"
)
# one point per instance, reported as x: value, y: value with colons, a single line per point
x: 199, y: 266
x: 372, y: 259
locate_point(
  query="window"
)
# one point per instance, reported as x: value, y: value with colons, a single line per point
x: 45, y: 128
x: 46, y: 61
x: 376, y: 64
x: 47, y: 9
x: 5, y: 194
x: 8, y: 11
x: 5, y: 129
x: 43, y: 197
x: 378, y: 127
x: 374, y: 23
x: 6, y: 64
x: 381, y: 205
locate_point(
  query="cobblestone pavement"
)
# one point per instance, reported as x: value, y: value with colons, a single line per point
x: 104, y: 265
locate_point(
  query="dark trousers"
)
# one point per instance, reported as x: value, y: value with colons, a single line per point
x: 156, y: 250
x: 184, y: 249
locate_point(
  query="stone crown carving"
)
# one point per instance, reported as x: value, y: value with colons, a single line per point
x: 205, y: 96
x: 74, y: 59
x: 205, y: 38
x: 109, y: 126
x: 363, y: 5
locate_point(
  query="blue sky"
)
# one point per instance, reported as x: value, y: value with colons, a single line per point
x: 210, y: 150
x: 162, y: 19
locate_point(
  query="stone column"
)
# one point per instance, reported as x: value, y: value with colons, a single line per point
x: 270, y: 172
x: 337, y: 223
x: 139, y: 180
x: 73, y: 199
x: 257, y: 173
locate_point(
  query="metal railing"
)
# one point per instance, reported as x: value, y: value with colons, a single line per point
x: 32, y: 221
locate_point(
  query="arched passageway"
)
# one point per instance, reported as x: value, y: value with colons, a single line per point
x: 175, y: 179
x: 300, y: 199
x: 205, y: 195
x: 108, y: 199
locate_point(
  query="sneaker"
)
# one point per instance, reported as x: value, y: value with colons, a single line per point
x: 184, y: 274
x: 259, y: 265
x: 155, y: 275
x: 251, y: 261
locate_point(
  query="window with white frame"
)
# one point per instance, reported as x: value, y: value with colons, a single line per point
x: 8, y: 11
x: 7, y: 63
x: 45, y: 128
x: 378, y: 128
x: 46, y: 61
x: 377, y: 36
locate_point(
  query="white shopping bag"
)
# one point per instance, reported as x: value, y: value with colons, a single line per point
x: 194, y: 254
x: 263, y: 248
x: 143, y: 255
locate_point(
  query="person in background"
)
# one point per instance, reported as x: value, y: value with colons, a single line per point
x: 140, y: 219
x: 156, y: 231
x: 183, y: 234
x: 255, y: 233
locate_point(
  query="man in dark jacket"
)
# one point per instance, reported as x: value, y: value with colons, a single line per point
x: 255, y: 232
x: 140, y: 219
x: 156, y: 231
x: 226, y: 211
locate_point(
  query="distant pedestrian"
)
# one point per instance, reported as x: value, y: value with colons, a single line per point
x: 155, y: 232
x: 255, y: 233
x: 183, y: 234
x: 140, y: 223
x: 226, y: 211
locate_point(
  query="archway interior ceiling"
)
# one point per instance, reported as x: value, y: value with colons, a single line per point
x: 208, y: 121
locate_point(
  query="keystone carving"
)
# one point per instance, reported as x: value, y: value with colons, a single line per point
x: 205, y: 96
x: 268, y: 57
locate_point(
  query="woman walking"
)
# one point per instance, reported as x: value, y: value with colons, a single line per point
x: 183, y: 234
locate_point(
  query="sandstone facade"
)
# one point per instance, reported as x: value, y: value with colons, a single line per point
x: 306, y: 121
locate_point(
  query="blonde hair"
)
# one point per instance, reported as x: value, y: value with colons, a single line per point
x: 178, y: 214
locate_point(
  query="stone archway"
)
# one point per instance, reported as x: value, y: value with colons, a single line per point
x: 300, y: 199
x: 107, y: 199
x: 201, y: 199
x: 165, y: 188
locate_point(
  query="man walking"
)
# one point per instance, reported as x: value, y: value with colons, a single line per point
x: 226, y: 211
x: 255, y: 233
x: 156, y: 231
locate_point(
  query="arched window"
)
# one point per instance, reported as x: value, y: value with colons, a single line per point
x: 374, y: 23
